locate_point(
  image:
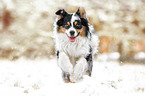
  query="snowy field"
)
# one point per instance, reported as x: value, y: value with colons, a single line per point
x: 43, y: 78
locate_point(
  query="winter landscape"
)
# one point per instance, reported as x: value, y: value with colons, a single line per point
x: 28, y: 65
x: 43, y: 78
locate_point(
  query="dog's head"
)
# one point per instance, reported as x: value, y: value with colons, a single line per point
x: 72, y: 24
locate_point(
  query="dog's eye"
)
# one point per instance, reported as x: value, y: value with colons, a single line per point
x: 66, y: 26
x: 77, y: 25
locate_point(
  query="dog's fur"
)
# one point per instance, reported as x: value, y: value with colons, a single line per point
x: 76, y: 44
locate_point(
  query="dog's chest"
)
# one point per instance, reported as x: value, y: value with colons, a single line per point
x: 74, y: 49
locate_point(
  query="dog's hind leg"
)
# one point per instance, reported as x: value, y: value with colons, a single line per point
x: 57, y: 54
x: 65, y: 65
x: 89, y: 59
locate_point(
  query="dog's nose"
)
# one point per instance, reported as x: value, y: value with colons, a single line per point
x: 72, y: 33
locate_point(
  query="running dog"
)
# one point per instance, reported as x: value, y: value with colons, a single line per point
x: 75, y: 43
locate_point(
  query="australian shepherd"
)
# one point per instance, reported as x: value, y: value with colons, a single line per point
x: 75, y: 43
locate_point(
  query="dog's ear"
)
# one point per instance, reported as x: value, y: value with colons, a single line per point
x: 61, y: 13
x: 81, y: 12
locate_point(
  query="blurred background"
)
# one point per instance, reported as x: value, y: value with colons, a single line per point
x: 26, y: 28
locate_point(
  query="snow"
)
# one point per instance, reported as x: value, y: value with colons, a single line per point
x: 140, y: 55
x: 43, y: 78
x: 109, y: 56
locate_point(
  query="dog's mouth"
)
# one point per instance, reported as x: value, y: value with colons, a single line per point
x: 72, y: 38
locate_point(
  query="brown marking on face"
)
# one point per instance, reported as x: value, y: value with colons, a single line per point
x: 75, y: 23
x: 68, y: 23
x: 61, y: 29
x: 82, y: 31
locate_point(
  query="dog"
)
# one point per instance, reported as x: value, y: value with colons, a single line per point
x: 76, y: 44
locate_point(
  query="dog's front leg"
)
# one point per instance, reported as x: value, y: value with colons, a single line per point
x: 79, y: 70
x: 65, y: 65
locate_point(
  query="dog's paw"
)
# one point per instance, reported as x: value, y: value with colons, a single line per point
x: 74, y: 78
x: 79, y: 70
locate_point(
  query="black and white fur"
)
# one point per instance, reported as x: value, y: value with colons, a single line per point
x: 75, y: 58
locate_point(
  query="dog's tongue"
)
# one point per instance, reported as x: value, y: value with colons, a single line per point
x: 72, y: 39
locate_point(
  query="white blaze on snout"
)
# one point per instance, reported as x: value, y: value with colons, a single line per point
x: 73, y: 19
x: 71, y: 29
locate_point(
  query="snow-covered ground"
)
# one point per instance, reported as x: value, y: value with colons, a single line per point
x: 43, y: 78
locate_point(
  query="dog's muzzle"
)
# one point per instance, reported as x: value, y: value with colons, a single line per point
x: 73, y: 38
